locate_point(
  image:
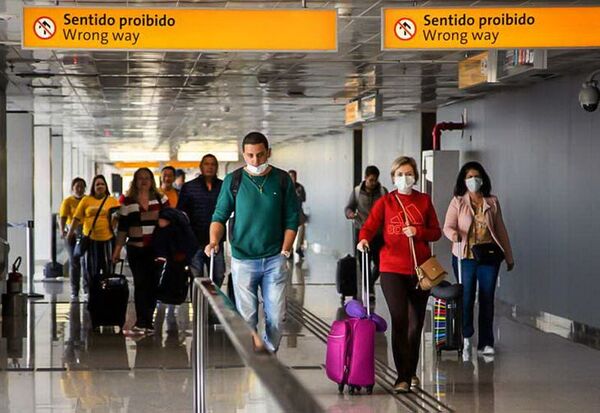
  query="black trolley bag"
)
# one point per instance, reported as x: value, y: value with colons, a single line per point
x: 345, y: 277
x: 53, y: 269
x: 448, y: 315
x: 107, y: 303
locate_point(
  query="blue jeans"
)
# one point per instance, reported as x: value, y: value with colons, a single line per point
x: 200, y: 259
x: 75, y: 269
x: 486, y: 276
x: 271, y: 275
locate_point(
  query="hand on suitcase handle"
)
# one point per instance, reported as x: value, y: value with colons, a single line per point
x: 363, y: 245
x: 211, y: 249
x: 116, y: 262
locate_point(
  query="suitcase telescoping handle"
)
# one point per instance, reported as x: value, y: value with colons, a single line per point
x: 211, y: 268
x: 459, y: 261
x: 122, y: 261
x: 365, y: 279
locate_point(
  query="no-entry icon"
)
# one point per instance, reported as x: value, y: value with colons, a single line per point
x: 405, y: 29
x: 44, y: 28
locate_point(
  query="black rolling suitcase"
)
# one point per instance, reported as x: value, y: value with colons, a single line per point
x: 107, y: 303
x: 448, y: 314
x: 447, y: 317
x: 345, y: 278
x: 53, y: 269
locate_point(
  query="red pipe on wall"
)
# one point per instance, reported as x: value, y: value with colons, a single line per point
x: 441, y: 126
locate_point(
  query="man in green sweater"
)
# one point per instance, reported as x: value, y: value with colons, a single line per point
x: 265, y: 206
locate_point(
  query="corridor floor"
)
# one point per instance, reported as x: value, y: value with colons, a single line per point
x: 51, y: 361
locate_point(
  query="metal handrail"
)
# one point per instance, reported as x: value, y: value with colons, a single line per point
x: 284, y: 387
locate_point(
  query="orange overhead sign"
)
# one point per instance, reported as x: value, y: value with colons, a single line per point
x: 167, y: 29
x: 490, y: 28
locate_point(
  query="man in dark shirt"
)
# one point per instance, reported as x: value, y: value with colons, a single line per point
x: 362, y: 199
x: 301, y: 193
x: 198, y: 199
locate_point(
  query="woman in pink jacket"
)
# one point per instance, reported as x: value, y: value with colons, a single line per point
x: 474, y: 224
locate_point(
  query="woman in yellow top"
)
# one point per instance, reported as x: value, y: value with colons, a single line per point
x: 66, y: 213
x: 98, y: 256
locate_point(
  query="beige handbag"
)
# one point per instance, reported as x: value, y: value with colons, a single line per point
x: 431, y: 272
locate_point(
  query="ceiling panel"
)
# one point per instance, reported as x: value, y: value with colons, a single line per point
x: 167, y: 98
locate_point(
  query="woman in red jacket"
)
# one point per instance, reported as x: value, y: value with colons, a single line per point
x: 406, y: 302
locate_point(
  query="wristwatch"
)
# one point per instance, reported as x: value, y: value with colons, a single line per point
x: 286, y: 254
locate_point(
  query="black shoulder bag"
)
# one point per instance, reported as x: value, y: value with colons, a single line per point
x: 488, y: 254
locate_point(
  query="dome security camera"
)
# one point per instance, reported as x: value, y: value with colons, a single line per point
x: 589, y: 96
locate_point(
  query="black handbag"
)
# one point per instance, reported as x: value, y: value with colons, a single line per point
x: 83, y: 242
x: 488, y: 254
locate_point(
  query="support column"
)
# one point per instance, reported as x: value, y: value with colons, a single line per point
x: 67, y: 168
x: 20, y: 178
x: 57, y: 171
x: 42, y: 186
x: 3, y: 157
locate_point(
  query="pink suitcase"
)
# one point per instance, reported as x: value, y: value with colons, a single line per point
x: 350, y: 356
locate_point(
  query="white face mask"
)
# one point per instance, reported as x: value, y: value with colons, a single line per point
x: 257, y: 170
x: 474, y: 184
x: 404, y: 183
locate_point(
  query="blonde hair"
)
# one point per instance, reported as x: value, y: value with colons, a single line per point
x: 405, y: 160
x: 132, y: 192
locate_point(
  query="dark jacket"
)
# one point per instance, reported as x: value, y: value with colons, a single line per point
x: 361, y: 201
x: 176, y: 241
x: 199, y: 204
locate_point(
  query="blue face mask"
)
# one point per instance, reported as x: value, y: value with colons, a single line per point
x: 404, y: 183
x: 474, y: 184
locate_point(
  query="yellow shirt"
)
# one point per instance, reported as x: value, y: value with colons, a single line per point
x: 86, y: 211
x: 68, y: 208
x: 173, y: 197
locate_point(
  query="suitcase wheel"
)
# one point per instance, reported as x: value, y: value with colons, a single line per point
x: 369, y: 389
x: 354, y: 390
x: 341, y: 388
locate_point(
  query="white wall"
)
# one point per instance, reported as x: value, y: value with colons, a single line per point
x: 324, y: 167
x: 19, y: 131
x: 385, y: 141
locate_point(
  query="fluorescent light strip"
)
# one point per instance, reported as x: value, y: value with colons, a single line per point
x: 222, y: 156
x: 138, y: 156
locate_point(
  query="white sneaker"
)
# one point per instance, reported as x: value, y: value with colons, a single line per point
x: 487, y: 351
x: 467, y: 345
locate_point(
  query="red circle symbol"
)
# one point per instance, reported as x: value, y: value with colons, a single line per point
x: 405, y: 29
x: 44, y: 28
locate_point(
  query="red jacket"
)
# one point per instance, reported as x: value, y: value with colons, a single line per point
x: 395, y: 255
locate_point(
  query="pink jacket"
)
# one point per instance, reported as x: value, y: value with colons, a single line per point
x: 459, y: 218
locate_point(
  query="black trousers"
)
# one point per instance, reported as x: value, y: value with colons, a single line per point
x: 145, y: 282
x: 408, y: 306
x: 98, y: 260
